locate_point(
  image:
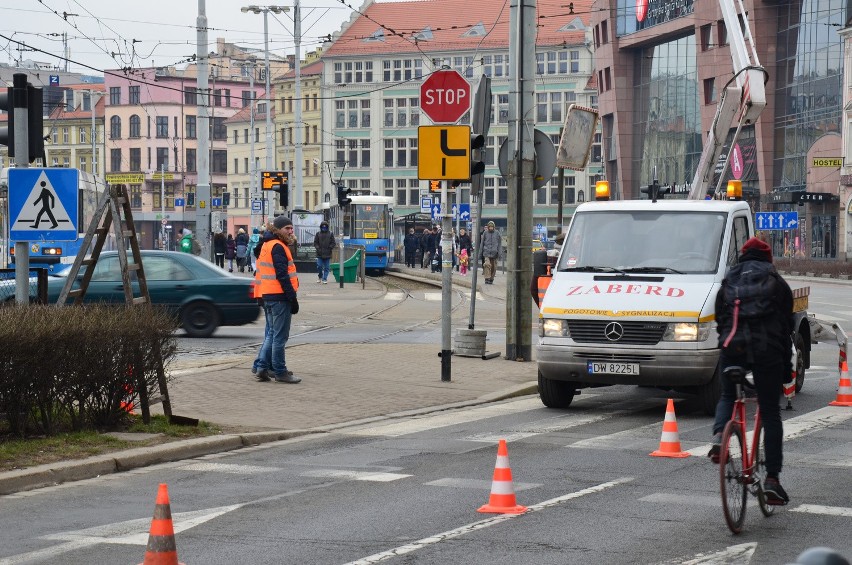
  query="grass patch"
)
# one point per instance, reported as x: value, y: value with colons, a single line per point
x: 16, y: 453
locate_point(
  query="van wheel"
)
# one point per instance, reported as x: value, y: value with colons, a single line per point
x: 709, y: 393
x: 555, y: 394
x: 799, y: 344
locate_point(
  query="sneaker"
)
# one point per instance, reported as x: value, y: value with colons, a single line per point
x: 289, y: 378
x: 262, y: 376
x: 324, y: 282
x: 774, y: 492
x: 319, y: 281
x: 715, y: 451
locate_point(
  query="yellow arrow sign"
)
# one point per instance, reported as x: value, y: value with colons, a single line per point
x: 444, y: 152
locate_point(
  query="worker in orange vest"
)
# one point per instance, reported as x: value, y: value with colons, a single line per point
x: 279, y: 286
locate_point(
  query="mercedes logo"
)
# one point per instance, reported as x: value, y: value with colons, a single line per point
x: 613, y: 331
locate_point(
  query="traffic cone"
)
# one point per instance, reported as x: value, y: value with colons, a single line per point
x: 161, y: 548
x: 844, y: 390
x: 669, y: 440
x: 502, y: 499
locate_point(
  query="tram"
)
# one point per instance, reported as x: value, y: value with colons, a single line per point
x: 367, y: 221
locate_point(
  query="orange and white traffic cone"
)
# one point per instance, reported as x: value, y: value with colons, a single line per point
x: 161, y: 548
x: 670, y: 440
x: 844, y: 390
x: 502, y: 499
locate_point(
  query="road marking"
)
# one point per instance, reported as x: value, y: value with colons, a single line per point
x: 354, y: 475
x: 631, y: 438
x: 824, y: 510
x: 682, y: 500
x: 433, y: 296
x: 229, y: 468
x: 488, y: 522
x: 545, y: 426
x: 398, y: 296
x: 476, y: 484
x: 739, y: 554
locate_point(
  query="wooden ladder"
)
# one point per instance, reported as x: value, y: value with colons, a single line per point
x: 114, y: 212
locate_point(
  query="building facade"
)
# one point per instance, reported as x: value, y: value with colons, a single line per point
x: 75, y: 130
x: 661, y: 67
x: 372, y: 77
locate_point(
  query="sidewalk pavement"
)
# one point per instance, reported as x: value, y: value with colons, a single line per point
x: 342, y: 384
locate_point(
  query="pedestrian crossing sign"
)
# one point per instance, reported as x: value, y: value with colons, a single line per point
x: 43, y: 204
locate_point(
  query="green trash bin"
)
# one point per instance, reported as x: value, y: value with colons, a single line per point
x: 350, y: 268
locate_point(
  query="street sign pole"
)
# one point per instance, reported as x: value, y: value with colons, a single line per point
x: 21, y: 143
x: 481, y: 125
x: 446, y: 284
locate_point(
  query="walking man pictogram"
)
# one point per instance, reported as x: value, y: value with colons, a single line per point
x: 48, y: 201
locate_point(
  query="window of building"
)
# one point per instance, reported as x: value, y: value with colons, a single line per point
x: 190, y: 96
x: 722, y: 33
x: 190, y: 132
x: 710, y: 90
x: 134, y: 94
x: 65, y: 135
x: 82, y: 133
x: 114, y: 158
x: 162, y: 158
x: 87, y: 102
x: 135, y: 159
x: 135, y: 126
x: 162, y: 126
x: 605, y: 31
x: 191, y: 165
x: 246, y: 97
x: 706, y: 34
x: 135, y: 195
x: 220, y: 130
x: 83, y: 164
x: 401, y: 153
x: 608, y: 78
x: 257, y: 135
x: 115, y: 127
x: 575, y: 61
x: 114, y: 95
x: 556, y: 107
x: 219, y: 162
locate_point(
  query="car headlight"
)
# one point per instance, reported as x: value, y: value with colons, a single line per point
x: 551, y: 327
x: 687, y: 331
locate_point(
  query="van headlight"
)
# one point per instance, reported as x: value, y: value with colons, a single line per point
x: 687, y: 331
x: 552, y: 327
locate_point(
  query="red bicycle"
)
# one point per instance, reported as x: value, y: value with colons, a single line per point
x: 742, y: 467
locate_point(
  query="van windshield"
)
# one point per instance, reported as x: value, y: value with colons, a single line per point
x: 644, y: 241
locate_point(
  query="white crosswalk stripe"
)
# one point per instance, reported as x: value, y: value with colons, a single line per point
x: 371, y: 476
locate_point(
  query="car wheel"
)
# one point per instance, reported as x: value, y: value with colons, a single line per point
x: 799, y: 343
x: 709, y: 393
x: 199, y: 319
x: 555, y: 394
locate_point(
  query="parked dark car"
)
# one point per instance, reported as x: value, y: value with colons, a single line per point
x: 202, y: 296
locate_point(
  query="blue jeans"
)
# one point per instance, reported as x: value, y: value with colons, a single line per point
x: 322, y: 267
x: 267, y: 338
x: 768, y: 380
x: 271, y: 354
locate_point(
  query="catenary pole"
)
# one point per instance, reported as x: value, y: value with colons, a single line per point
x: 202, y: 200
x: 446, y: 284
x: 21, y: 142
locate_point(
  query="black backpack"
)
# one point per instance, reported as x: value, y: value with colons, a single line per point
x: 749, y: 292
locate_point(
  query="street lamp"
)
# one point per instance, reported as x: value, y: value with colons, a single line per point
x: 265, y: 11
x: 249, y: 65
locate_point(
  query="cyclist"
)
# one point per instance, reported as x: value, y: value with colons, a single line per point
x: 760, y: 343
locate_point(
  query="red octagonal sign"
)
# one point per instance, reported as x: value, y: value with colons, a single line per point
x: 445, y: 97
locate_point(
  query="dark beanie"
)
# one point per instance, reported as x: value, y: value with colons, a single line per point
x: 755, y: 246
x: 282, y: 221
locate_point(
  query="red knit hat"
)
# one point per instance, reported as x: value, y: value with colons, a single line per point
x: 755, y: 244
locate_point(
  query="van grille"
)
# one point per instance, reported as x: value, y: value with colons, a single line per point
x: 631, y: 333
x: 615, y: 357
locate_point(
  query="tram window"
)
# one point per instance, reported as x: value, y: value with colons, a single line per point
x: 370, y: 221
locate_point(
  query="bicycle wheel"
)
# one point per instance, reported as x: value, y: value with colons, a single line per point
x: 731, y: 483
x: 760, y: 472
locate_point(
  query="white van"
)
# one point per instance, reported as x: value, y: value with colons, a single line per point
x: 632, y: 298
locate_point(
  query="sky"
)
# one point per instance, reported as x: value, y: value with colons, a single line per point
x: 112, y: 34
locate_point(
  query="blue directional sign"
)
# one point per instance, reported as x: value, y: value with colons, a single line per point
x: 180, y: 202
x: 436, y: 211
x: 216, y: 201
x: 777, y: 220
x: 54, y: 80
x: 425, y: 204
x: 464, y: 209
x: 257, y: 206
x: 43, y: 204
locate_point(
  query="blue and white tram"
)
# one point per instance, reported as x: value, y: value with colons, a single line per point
x: 367, y: 221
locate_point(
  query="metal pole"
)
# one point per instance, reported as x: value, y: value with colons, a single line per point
x: 560, y: 187
x: 446, y: 284
x: 163, y: 205
x: 474, y: 261
x: 253, y: 172
x: 297, y: 176
x: 94, y: 132
x: 268, y: 97
x: 21, y: 143
x: 202, y: 200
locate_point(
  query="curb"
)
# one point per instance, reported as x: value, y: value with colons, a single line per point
x: 52, y: 474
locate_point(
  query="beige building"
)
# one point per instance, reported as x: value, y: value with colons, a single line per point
x: 312, y: 132
x: 69, y: 128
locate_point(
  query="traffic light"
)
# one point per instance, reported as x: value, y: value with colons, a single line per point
x: 477, y: 142
x: 190, y: 199
x: 277, y: 181
x: 434, y: 186
x: 226, y: 199
x: 342, y: 195
x: 20, y: 95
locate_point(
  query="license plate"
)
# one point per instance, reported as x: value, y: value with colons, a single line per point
x: 596, y: 368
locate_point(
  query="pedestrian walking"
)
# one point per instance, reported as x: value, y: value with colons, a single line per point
x: 254, y: 241
x: 241, y: 249
x: 279, y: 286
x: 230, y: 252
x: 410, y: 244
x: 754, y: 317
x: 324, y: 243
x: 491, y: 246
x: 220, y: 247
x: 465, y: 242
x: 463, y: 261
x: 424, y: 247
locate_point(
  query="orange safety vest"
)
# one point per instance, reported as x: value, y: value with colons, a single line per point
x: 255, y: 285
x: 269, y: 283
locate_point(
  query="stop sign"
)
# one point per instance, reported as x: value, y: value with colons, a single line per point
x: 445, y: 97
